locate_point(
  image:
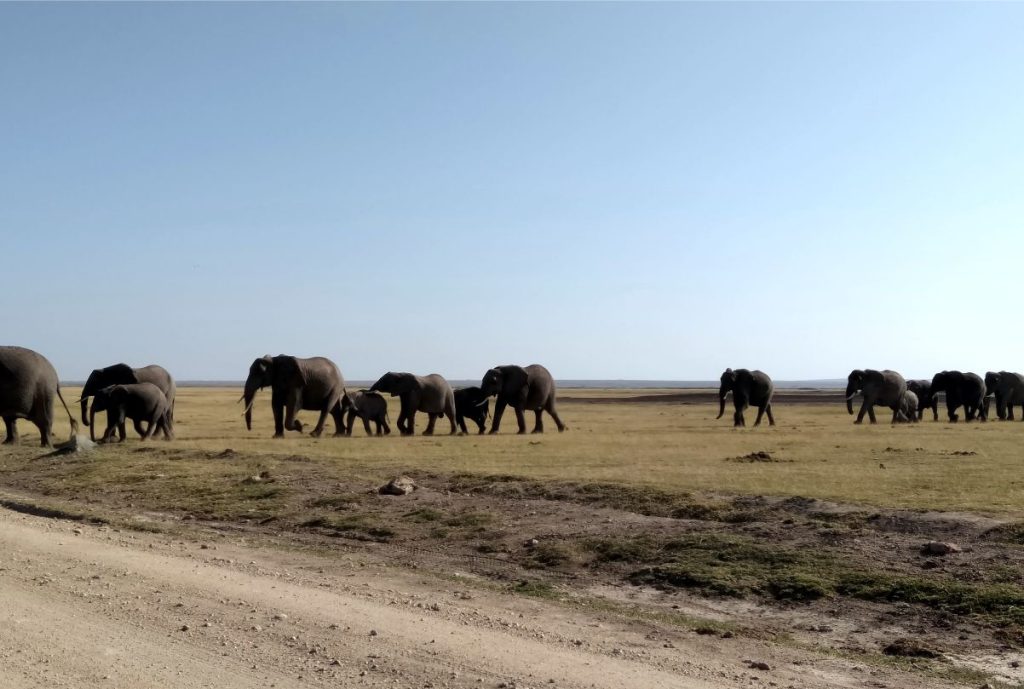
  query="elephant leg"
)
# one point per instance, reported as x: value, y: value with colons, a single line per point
x: 521, y: 420
x: 410, y: 423
x: 318, y: 429
x: 737, y: 418
x: 552, y: 409
x: 863, y: 410
x: 138, y: 428
x: 431, y: 420
x: 366, y: 426
x: 499, y: 410
x: 279, y: 420
x: 150, y: 429
x: 384, y: 424
x: 768, y: 411
x: 538, y: 426
x: 461, y: 420
x: 760, y: 413
x: 339, y: 420
x: 871, y: 414
x: 44, y: 422
x: 450, y: 413
x: 10, y: 424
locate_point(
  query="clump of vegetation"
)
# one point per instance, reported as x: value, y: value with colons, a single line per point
x: 357, y: 526
x: 548, y: 554
x: 534, y: 589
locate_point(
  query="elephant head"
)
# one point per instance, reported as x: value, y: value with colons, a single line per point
x: 943, y: 381
x: 394, y: 383
x: 118, y: 374
x: 101, y: 401
x: 504, y: 380
x: 854, y: 384
x: 282, y: 374
x: 991, y: 383
x: 727, y: 385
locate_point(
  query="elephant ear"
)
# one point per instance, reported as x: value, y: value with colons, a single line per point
x: 287, y: 369
x: 120, y: 374
x: 874, y: 376
x: 515, y: 379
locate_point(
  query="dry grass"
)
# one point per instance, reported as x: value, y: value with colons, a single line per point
x: 676, y: 447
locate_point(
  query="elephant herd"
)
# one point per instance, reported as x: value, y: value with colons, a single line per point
x: 29, y: 385
x: 908, y: 400
x: 316, y: 384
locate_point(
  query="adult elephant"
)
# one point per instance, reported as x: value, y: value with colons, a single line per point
x: 28, y: 384
x: 925, y: 398
x: 884, y: 388
x: 522, y: 388
x: 965, y: 390
x: 748, y: 388
x: 431, y: 394
x: 138, y: 402
x: 1008, y: 390
x: 123, y: 374
x: 313, y: 384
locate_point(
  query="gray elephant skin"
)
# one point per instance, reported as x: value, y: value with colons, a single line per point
x: 1008, y: 390
x: 431, y: 394
x: 965, y: 390
x: 471, y: 403
x: 748, y: 388
x: 313, y: 384
x: 140, y: 402
x: 925, y: 398
x: 368, y: 406
x: 908, y: 407
x: 522, y: 388
x: 123, y: 374
x: 28, y: 384
x: 884, y: 388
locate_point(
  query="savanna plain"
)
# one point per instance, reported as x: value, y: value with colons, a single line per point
x: 650, y: 545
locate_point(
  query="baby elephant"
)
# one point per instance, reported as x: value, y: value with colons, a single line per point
x: 471, y: 403
x: 138, y: 402
x: 369, y: 406
x: 908, y: 408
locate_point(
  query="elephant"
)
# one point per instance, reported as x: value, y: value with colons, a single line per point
x: 28, y: 384
x: 885, y: 388
x: 123, y: 374
x: 522, y: 388
x: 908, y: 408
x: 431, y: 394
x: 138, y: 402
x: 747, y: 388
x: 471, y: 403
x: 962, y: 389
x: 1008, y: 390
x: 369, y: 406
x: 314, y: 384
x: 925, y: 398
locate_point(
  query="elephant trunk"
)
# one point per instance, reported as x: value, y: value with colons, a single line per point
x: 85, y: 408
x: 722, y: 394
x: 249, y: 396
x: 89, y: 423
x: 851, y: 392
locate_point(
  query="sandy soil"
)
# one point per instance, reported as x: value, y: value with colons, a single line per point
x: 84, y: 606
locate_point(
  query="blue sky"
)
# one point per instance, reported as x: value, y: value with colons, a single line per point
x: 614, y: 190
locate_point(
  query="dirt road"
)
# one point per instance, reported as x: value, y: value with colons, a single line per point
x: 94, y: 606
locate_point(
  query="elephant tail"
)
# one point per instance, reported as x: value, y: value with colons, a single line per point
x: 71, y: 418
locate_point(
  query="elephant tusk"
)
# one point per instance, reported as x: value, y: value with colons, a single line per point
x: 851, y: 397
x: 480, y: 404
